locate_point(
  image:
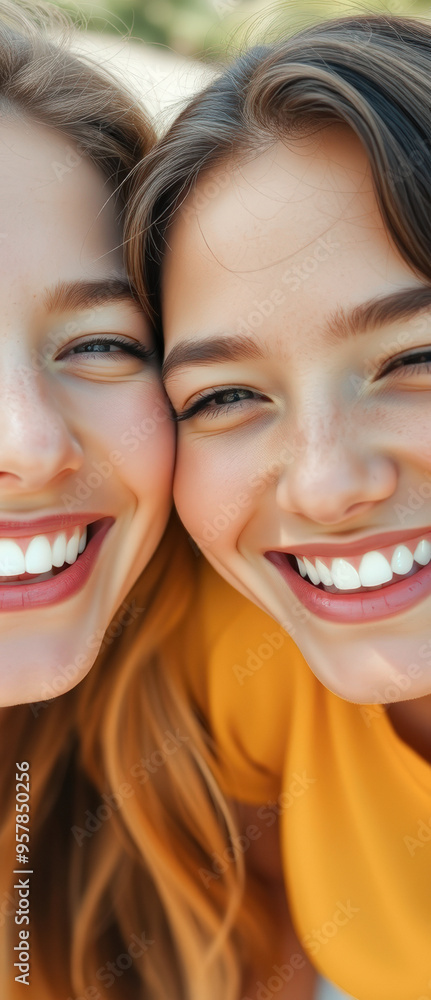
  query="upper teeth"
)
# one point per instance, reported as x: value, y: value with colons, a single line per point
x: 374, y: 568
x: 41, y: 554
x: 344, y: 575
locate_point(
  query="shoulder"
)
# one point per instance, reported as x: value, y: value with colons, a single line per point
x: 242, y: 643
x: 243, y: 671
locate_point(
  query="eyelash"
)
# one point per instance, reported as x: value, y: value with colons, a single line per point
x: 415, y: 367
x: 203, y: 402
x: 130, y: 347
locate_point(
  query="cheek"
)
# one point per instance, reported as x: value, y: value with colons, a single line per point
x: 137, y: 437
x: 212, y: 488
x: 413, y: 428
x: 147, y: 443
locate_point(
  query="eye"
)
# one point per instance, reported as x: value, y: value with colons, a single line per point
x: 220, y: 402
x: 115, y: 348
x: 418, y: 363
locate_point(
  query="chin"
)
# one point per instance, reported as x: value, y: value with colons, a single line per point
x: 33, y: 671
x: 368, y: 670
x: 379, y: 662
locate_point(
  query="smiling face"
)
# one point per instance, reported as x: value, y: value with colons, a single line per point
x: 304, y: 453
x: 86, y: 443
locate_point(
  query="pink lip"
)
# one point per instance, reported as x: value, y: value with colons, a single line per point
x: 62, y: 586
x: 365, y: 544
x: 40, y: 525
x: 353, y: 608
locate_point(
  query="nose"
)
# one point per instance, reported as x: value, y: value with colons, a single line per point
x: 36, y: 445
x: 335, y: 471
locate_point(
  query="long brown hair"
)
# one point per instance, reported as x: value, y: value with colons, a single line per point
x: 372, y: 73
x: 115, y: 855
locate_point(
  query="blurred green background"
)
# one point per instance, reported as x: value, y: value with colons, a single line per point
x: 214, y: 29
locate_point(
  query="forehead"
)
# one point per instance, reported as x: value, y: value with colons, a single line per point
x: 244, y: 232
x: 55, y: 205
x: 301, y: 187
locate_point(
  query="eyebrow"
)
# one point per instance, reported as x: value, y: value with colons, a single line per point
x: 378, y: 312
x: 68, y: 295
x: 210, y: 350
x: 341, y: 324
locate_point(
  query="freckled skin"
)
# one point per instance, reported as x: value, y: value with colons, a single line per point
x: 345, y: 442
x: 62, y: 413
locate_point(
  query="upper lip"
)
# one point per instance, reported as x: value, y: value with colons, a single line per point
x: 50, y: 522
x: 368, y: 543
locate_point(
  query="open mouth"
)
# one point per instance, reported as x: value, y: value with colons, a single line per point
x: 48, y: 568
x: 361, y: 586
x: 371, y: 572
x: 43, y: 556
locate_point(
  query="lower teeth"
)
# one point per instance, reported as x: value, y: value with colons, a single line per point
x: 15, y: 581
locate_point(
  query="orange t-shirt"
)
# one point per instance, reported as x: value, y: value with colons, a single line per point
x: 354, y: 801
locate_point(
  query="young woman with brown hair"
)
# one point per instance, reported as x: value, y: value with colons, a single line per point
x: 99, y: 874
x: 290, y: 207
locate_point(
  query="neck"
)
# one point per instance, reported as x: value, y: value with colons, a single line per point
x: 412, y: 721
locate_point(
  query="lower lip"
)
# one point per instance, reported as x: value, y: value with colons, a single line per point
x: 367, y: 606
x: 60, y: 587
